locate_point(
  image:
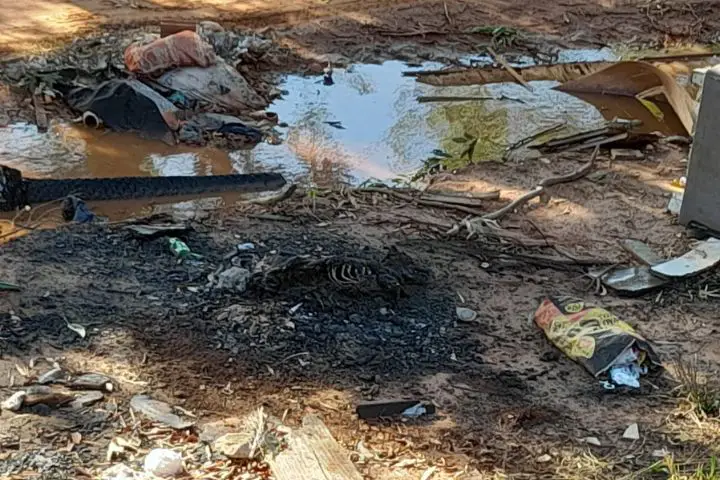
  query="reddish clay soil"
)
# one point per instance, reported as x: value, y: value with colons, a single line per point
x: 330, y: 26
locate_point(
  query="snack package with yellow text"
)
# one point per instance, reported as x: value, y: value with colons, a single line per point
x: 596, y: 339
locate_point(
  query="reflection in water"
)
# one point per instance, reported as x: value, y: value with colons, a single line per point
x: 385, y: 133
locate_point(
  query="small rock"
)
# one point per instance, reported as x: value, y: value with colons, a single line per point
x: 210, y: 432
x: 626, y: 153
x: 544, y: 458
x: 235, y: 446
x: 465, y: 314
x: 632, y: 432
x: 234, y: 278
x: 662, y: 453
x: 15, y: 402
x: 592, y: 441
x: 93, y: 381
x: 119, y: 471
x: 50, y: 377
x: 159, y: 412
x: 163, y: 463
x: 86, y: 400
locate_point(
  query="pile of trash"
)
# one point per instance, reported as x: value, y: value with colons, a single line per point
x: 183, y: 87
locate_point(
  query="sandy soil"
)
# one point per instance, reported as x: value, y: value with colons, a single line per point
x: 506, y: 397
x: 509, y: 403
x: 315, y: 27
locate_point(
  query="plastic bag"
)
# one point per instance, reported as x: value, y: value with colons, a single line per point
x: 219, y: 85
x: 593, y: 337
x: 183, y: 49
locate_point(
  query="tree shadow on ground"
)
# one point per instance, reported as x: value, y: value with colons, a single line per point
x: 150, y: 320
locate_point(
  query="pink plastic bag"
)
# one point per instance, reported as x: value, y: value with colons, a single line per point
x: 183, y: 49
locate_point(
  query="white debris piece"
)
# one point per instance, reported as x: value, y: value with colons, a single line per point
x: 415, y: 411
x: 632, y: 432
x: 15, y: 402
x: 119, y: 471
x: 592, y: 441
x: 164, y: 463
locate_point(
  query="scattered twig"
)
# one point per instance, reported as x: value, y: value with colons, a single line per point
x: 430, y: 200
x: 447, y: 13
x: 535, y: 136
x: 431, y: 98
x: 416, y: 33
x: 270, y: 217
x: 475, y: 201
x: 499, y: 59
x: 596, y: 143
x: 41, y: 118
x: 540, y: 189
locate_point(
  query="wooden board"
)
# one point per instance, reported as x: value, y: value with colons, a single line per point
x: 312, y: 454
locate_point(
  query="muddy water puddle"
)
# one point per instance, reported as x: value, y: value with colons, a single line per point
x: 367, y: 125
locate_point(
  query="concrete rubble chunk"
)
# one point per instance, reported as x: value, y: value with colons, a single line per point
x: 209, y: 432
x: 159, y: 412
x: 87, y: 399
x: 236, y: 446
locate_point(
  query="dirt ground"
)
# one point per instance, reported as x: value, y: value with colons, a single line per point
x: 509, y: 404
x: 352, y: 28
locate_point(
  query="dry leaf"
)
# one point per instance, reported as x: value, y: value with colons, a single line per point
x: 77, y: 328
x: 76, y: 437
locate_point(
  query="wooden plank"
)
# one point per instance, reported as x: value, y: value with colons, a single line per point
x: 313, y: 454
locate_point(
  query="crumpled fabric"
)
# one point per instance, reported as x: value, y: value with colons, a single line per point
x: 75, y: 209
x: 13, y: 191
x: 219, y: 86
x: 128, y: 105
x: 201, y: 126
x: 182, y: 49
